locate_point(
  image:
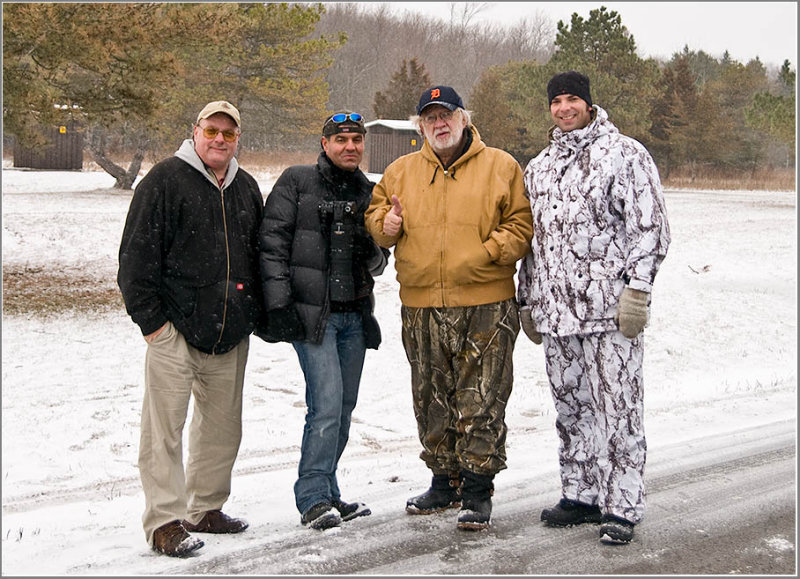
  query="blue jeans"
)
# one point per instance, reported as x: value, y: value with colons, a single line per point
x: 333, y: 372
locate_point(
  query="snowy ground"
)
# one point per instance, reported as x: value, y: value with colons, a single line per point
x: 721, y: 353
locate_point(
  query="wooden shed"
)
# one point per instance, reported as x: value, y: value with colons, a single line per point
x: 387, y: 140
x: 64, y: 153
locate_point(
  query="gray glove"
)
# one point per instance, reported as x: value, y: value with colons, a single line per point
x: 528, y: 327
x: 632, y: 314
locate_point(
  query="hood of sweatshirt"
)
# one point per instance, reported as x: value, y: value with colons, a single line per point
x: 187, y: 153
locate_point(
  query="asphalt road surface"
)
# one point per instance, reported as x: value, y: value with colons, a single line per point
x: 722, y: 504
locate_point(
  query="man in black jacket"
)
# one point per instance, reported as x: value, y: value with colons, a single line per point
x: 188, y: 272
x: 317, y: 262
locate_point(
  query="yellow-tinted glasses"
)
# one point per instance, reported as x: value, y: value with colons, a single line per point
x: 228, y: 134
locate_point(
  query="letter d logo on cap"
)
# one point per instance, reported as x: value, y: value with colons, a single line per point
x: 436, y: 93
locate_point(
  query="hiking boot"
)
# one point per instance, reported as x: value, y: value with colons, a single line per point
x: 445, y: 493
x: 321, y: 516
x: 568, y: 512
x: 217, y: 522
x: 615, y: 531
x: 350, y: 511
x: 474, y: 514
x: 173, y: 540
x: 476, y: 501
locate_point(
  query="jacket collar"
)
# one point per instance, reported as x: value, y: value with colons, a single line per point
x: 580, y: 138
x: 475, y: 147
x: 334, y: 175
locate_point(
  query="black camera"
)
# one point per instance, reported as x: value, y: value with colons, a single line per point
x: 339, y: 220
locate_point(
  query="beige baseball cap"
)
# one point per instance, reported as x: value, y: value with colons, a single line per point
x: 215, y: 107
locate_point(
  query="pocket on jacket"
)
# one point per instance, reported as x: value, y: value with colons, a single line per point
x: 180, y: 300
x: 596, y: 299
x: 204, y: 324
x: 244, y: 308
x: 470, y: 262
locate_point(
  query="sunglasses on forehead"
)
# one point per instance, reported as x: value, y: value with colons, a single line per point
x: 342, y: 117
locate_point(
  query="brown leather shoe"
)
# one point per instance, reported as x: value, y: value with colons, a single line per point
x: 217, y: 522
x: 173, y: 540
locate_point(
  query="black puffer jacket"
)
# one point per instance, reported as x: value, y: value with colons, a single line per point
x: 295, y: 249
x: 189, y: 253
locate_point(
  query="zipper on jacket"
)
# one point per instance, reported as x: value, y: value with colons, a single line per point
x: 442, y: 266
x: 227, y: 268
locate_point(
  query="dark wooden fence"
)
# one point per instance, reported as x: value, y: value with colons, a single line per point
x: 65, y: 151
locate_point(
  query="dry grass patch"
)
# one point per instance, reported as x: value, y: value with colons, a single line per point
x: 36, y: 291
x: 733, y: 180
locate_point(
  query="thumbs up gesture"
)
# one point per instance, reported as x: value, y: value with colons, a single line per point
x: 393, y: 221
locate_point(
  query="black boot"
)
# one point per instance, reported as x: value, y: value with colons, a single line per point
x: 615, y: 530
x: 445, y: 493
x: 568, y: 512
x: 350, y: 511
x: 476, y: 501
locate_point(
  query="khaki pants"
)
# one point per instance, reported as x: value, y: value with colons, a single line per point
x: 174, y: 371
x: 461, y: 378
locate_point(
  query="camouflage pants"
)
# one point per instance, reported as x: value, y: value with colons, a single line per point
x: 596, y: 382
x: 461, y: 378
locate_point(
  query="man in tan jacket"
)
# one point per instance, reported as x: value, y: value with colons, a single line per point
x: 457, y: 215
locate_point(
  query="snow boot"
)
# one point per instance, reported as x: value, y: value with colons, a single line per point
x: 476, y: 501
x: 445, y: 493
x: 568, y: 512
x: 321, y: 516
x: 350, y: 511
x: 615, y: 531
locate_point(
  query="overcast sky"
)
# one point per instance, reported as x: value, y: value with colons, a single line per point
x: 745, y: 29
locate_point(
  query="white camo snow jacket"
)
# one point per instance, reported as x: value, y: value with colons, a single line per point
x: 599, y: 224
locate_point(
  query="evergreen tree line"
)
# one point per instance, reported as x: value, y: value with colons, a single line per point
x: 134, y: 74
x: 693, y: 112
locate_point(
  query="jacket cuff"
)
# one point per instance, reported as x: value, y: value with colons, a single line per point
x: 149, y: 326
x: 641, y: 285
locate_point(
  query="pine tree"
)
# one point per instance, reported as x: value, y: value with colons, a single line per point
x: 773, y: 112
x: 400, y: 99
x: 681, y: 140
x: 274, y: 72
x: 621, y: 82
x: 134, y: 74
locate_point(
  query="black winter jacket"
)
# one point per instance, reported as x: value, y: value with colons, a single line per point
x: 295, y: 249
x: 189, y: 253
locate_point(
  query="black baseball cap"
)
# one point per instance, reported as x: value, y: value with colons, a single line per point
x: 343, y: 122
x: 440, y: 95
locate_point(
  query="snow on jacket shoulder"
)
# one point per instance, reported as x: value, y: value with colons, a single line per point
x: 189, y: 254
x: 600, y: 223
x: 464, y: 228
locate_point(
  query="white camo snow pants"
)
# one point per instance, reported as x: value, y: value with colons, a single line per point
x: 596, y: 383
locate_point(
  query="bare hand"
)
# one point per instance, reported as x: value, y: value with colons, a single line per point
x: 393, y: 221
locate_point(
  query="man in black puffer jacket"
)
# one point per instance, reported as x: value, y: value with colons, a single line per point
x: 188, y: 272
x: 317, y: 262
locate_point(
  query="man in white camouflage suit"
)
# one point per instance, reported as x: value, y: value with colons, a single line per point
x: 600, y: 235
